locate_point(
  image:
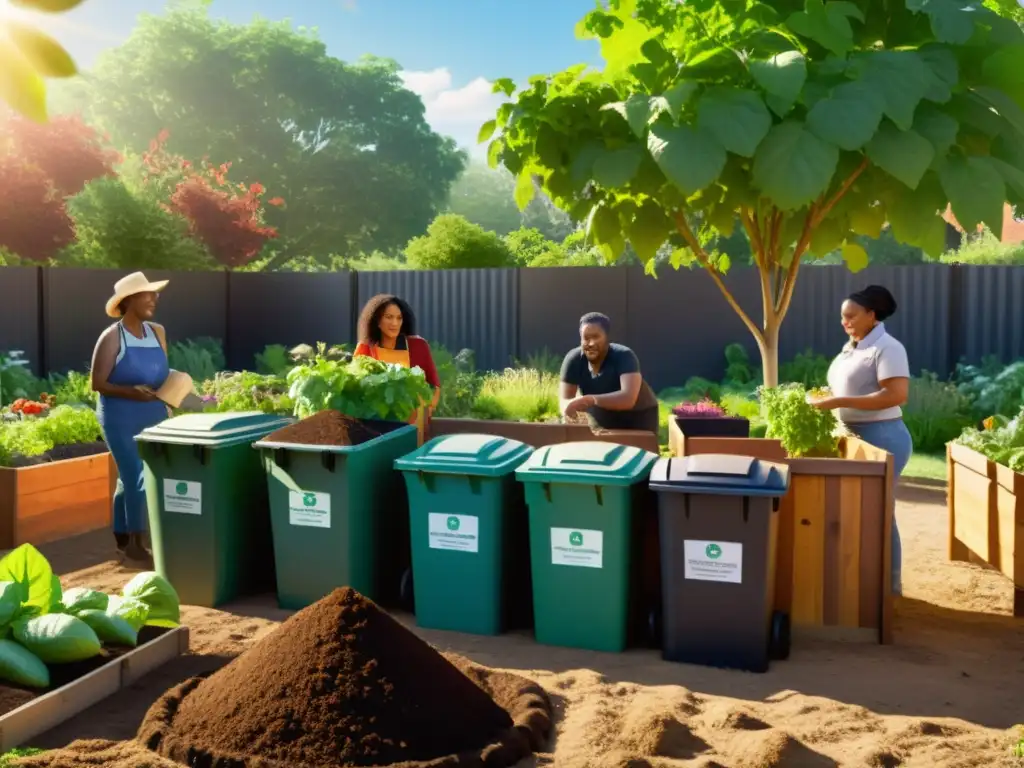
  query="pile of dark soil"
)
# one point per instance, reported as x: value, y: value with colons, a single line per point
x: 341, y: 683
x: 12, y: 696
x: 325, y: 428
x: 60, y: 453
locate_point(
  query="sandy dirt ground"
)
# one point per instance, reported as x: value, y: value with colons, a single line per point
x: 947, y: 694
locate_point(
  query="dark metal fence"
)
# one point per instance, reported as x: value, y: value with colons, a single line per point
x: 678, y: 323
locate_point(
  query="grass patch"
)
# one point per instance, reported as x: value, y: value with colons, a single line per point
x: 926, y: 466
x: 7, y: 758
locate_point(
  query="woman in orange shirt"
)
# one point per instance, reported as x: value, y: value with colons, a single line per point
x: 387, y: 332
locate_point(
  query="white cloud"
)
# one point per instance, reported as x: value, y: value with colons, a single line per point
x: 457, y: 112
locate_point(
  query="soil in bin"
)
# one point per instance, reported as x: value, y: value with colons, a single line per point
x: 61, y: 453
x: 12, y: 697
x: 340, y: 683
x: 325, y: 428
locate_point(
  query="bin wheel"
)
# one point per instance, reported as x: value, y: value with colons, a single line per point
x: 654, y: 627
x: 780, y: 636
x: 405, y: 592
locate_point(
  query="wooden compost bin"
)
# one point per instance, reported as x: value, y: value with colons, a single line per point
x: 56, y: 500
x: 51, y: 709
x: 834, y: 566
x: 986, y: 516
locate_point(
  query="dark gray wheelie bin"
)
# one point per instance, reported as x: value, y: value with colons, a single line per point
x: 718, y: 521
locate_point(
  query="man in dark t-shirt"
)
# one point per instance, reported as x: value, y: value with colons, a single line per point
x: 603, y: 380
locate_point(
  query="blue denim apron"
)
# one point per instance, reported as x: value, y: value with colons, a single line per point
x: 122, y: 419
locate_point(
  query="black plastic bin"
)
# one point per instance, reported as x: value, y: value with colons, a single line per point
x: 718, y: 520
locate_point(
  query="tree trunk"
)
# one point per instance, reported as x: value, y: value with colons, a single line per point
x: 770, y: 354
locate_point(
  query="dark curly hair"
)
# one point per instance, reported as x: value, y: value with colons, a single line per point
x: 368, y: 328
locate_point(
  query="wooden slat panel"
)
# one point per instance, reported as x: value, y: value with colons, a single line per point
x: 832, y: 561
x: 957, y: 551
x: 59, y: 514
x: 872, y: 548
x: 784, y: 561
x: 969, y: 458
x: 1007, y: 555
x: 757, y: 447
x: 849, y: 552
x: 808, y: 549
x: 60, y: 474
x: 972, y: 501
x: 885, y: 597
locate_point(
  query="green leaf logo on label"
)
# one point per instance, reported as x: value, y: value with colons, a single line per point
x: 309, y: 499
x: 453, y: 523
x: 181, y: 489
x: 576, y: 539
x: 713, y: 551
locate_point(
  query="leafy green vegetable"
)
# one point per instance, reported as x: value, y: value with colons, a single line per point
x: 10, y: 601
x: 27, y: 566
x: 65, y: 425
x: 58, y: 638
x: 82, y: 598
x: 363, y: 388
x: 156, y: 592
x: 1002, y: 442
x: 110, y: 629
x: 134, y: 611
x: 802, y: 429
x: 22, y: 667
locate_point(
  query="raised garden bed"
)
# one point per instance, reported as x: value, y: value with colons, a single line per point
x: 986, y: 516
x: 834, y: 567
x: 53, y: 500
x: 27, y: 713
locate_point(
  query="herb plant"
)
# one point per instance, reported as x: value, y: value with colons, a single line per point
x: 703, y: 409
x: 247, y: 391
x: 802, y: 429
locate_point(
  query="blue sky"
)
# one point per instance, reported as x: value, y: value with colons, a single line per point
x: 450, y: 49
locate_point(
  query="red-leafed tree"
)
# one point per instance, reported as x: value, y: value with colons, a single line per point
x: 227, y: 218
x: 34, y: 222
x: 69, y: 152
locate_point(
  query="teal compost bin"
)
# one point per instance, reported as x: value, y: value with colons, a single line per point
x: 340, y: 515
x: 470, y: 538
x: 208, y: 514
x: 585, y: 502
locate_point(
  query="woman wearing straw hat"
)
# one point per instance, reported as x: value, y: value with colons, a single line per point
x: 128, y: 365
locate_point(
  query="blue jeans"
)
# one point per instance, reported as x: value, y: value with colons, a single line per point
x: 894, y: 437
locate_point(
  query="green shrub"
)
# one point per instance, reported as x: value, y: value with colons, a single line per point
x: 16, y: 378
x: 201, y: 358
x: 460, y: 383
x: 274, y: 360
x: 451, y: 242
x: 738, y: 370
x: 992, y: 388
x: 807, y: 368
x: 518, y: 394
x: 935, y: 413
x: 986, y: 249
x: 545, y: 360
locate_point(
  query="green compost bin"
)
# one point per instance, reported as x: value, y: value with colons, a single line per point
x: 470, y: 537
x: 209, y: 519
x: 585, y: 502
x: 340, y: 516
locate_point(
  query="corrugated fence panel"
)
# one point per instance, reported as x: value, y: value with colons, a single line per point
x: 192, y: 305
x: 922, y: 292
x: 680, y: 324
x: 287, y: 308
x: 552, y: 300
x: 19, y: 313
x: 458, y: 308
x: 991, y: 315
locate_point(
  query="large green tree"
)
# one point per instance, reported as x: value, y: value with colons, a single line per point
x: 809, y: 122
x: 345, y: 144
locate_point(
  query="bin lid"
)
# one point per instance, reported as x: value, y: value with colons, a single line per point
x: 720, y: 474
x: 591, y: 462
x: 214, y: 430
x: 468, y: 454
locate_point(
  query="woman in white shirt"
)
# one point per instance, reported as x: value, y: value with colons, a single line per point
x: 869, y: 382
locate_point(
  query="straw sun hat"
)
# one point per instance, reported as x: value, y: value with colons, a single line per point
x: 129, y: 286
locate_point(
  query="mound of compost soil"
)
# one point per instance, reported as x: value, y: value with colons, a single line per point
x: 325, y: 428
x: 341, y: 683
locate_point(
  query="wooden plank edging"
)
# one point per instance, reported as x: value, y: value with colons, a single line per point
x: 51, y: 709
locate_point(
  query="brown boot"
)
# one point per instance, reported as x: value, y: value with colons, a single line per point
x: 136, y: 550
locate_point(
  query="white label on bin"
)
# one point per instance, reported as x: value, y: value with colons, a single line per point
x: 459, y: 533
x: 183, y: 497
x: 308, y: 509
x: 577, y: 546
x: 713, y: 561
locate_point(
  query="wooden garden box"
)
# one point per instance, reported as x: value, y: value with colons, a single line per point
x: 834, y: 566
x: 986, y: 516
x: 53, y: 501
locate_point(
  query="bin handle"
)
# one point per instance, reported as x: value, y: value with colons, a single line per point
x: 776, y: 503
x: 199, y: 452
x: 280, y: 457
x: 327, y: 460
x: 600, y: 495
x: 547, y: 491
x: 474, y: 485
x: 425, y: 479
x: 746, y: 509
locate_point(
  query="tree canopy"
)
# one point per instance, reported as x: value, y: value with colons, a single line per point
x: 345, y: 144
x: 809, y: 122
x: 451, y: 242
